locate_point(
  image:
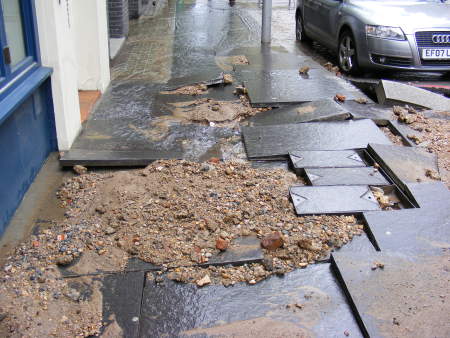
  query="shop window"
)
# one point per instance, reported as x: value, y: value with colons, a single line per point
x: 17, y: 42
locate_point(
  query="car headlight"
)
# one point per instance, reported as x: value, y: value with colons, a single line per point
x: 385, y: 32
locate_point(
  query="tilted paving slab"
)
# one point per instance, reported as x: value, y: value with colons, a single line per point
x: 326, y: 159
x: 271, y: 88
x: 175, y: 309
x: 380, y: 114
x: 277, y: 141
x: 404, y: 132
x: 332, y: 199
x: 345, y: 176
x: 402, y: 298
x: 395, y: 92
x: 325, y: 110
x: 404, y: 164
x: 418, y: 231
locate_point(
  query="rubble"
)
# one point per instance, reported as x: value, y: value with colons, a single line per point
x: 80, y: 170
x: 170, y: 214
x: 304, y: 70
x: 272, y: 241
x: 339, y: 98
x: 227, y: 79
x: 194, y: 90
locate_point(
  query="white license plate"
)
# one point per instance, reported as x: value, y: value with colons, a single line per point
x: 435, y: 53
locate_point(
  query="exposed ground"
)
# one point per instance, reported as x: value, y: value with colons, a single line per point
x: 171, y: 213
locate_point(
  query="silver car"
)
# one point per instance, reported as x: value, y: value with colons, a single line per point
x: 400, y: 34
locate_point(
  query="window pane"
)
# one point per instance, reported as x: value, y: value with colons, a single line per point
x: 14, y: 30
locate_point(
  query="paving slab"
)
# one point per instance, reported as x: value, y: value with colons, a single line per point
x: 345, y: 176
x: 115, y: 158
x: 333, y: 199
x: 173, y: 309
x: 404, y: 298
x: 380, y: 114
x: 403, y: 131
x: 404, y: 164
x: 326, y: 159
x: 428, y: 195
x: 243, y: 250
x: 122, y: 295
x: 395, y: 92
x: 277, y: 141
x: 413, y: 231
x: 272, y: 88
x: 325, y: 110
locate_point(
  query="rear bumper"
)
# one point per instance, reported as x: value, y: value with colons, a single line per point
x: 393, y: 54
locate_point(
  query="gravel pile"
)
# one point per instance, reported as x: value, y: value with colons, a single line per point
x: 174, y: 214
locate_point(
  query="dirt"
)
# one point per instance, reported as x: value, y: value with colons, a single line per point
x: 196, y: 89
x: 221, y: 113
x: 434, y: 136
x: 170, y: 214
x: 397, y: 140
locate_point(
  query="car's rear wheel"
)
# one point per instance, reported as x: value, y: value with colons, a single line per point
x: 347, y: 54
x: 299, y: 29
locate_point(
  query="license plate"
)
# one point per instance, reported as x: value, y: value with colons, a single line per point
x: 435, y: 53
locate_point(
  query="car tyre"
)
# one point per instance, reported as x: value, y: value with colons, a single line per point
x: 347, y: 53
x: 300, y: 34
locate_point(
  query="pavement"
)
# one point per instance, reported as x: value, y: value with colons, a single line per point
x: 189, y: 42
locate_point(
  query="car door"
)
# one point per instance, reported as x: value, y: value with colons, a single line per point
x: 328, y: 17
x: 311, y: 17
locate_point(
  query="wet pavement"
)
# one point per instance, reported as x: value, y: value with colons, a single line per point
x: 138, y: 120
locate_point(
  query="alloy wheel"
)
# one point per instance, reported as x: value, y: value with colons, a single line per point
x: 347, y: 53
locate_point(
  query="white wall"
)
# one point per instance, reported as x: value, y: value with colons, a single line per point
x: 91, y: 38
x: 57, y: 45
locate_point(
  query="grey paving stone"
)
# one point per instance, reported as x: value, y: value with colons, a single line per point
x: 332, y: 199
x: 404, y: 164
x: 122, y: 296
x: 325, y: 110
x: 380, y: 114
x: 326, y: 159
x: 243, y: 250
x: 402, y: 298
x: 114, y: 158
x: 277, y: 141
x: 287, y: 86
x: 179, y: 310
x: 395, y: 92
x: 345, y: 176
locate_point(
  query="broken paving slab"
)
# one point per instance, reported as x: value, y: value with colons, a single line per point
x: 243, y: 250
x: 325, y: 110
x: 176, y: 309
x: 122, y: 298
x: 404, y: 164
x: 265, y: 142
x: 404, y: 132
x: 393, y: 294
x: 318, y: 200
x: 345, y: 176
x: 420, y: 231
x: 380, y: 114
x: 288, y: 86
x: 326, y: 159
x: 395, y: 92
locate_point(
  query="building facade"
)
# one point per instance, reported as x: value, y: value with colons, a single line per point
x: 51, y: 50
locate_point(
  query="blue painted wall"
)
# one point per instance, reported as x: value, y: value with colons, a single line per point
x: 27, y: 136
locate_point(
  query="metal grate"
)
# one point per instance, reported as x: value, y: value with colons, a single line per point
x: 438, y: 63
x: 424, y: 39
x: 392, y: 61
